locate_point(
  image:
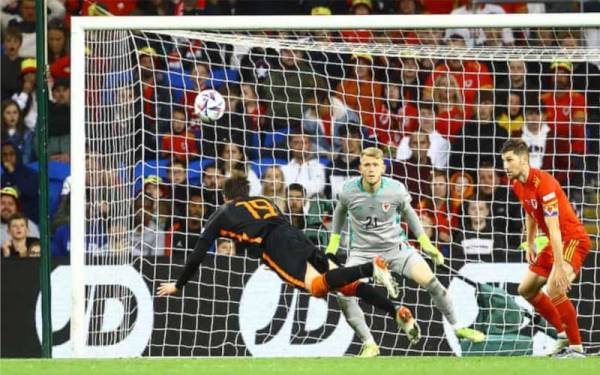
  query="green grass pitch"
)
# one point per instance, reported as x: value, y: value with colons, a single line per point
x: 308, y: 366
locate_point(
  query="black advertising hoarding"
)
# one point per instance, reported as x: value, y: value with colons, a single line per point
x: 239, y: 308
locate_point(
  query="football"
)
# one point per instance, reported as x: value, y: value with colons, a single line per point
x: 209, y: 105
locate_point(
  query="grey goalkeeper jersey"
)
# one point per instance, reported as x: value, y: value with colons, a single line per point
x: 375, y: 217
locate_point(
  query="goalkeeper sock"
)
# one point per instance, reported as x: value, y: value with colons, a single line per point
x: 440, y: 298
x: 356, y: 318
x: 568, y: 315
x: 339, y: 277
x: 376, y: 298
x: 543, y: 305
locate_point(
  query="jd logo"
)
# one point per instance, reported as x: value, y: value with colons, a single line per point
x: 277, y: 320
x: 118, y: 312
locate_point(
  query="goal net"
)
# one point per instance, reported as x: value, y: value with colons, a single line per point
x: 300, y: 105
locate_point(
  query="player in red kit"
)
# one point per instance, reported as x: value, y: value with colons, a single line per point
x: 557, y: 264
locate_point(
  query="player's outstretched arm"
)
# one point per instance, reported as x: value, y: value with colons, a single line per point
x: 414, y: 223
x: 339, y: 219
x: 206, y: 239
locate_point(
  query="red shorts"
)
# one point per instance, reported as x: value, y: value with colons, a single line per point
x: 574, y: 252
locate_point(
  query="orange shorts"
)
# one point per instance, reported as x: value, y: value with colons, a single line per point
x: 574, y: 252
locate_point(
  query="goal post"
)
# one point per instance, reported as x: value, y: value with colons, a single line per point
x: 115, y: 150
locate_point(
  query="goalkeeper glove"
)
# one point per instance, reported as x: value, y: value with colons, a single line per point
x: 436, y: 256
x: 334, y: 243
x: 539, y: 242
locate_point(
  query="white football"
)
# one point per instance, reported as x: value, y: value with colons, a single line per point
x: 209, y: 105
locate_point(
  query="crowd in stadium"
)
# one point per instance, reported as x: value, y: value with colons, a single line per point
x: 440, y: 122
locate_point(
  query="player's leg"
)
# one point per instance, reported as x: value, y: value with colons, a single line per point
x: 355, y: 316
x: 411, y: 264
x: 531, y: 285
x: 320, y: 284
x: 530, y: 288
x: 574, y: 252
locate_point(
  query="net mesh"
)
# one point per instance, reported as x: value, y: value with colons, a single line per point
x: 299, y: 108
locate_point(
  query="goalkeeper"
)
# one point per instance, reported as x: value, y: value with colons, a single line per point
x: 375, y: 205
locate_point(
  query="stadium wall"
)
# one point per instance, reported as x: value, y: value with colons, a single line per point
x: 241, y: 309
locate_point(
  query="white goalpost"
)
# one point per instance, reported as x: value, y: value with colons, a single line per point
x: 146, y: 170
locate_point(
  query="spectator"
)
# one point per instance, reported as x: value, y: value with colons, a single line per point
x: 469, y: 76
x: 566, y: 114
x: 409, y: 7
x: 213, y: 177
x: 233, y: 159
x: 323, y: 120
x: 157, y: 201
x: 157, y: 8
x: 250, y: 117
x: 179, y: 185
x: 9, y: 206
x: 307, y: 215
x: 26, y: 19
x: 226, y: 247
x: 149, y: 236
x: 288, y: 85
x: 59, y: 121
x: 520, y: 78
x: 436, y: 207
x: 197, y: 79
x: 15, y: 174
x: 273, y: 186
x: 477, y: 240
x: 403, y: 98
x: 505, y: 211
x: 480, y: 36
x: 462, y: 187
x: 63, y: 212
x: 11, y: 62
x: 326, y: 63
x: 585, y: 78
x: 439, y: 146
x: 360, y: 92
x: 538, y: 136
x: 303, y: 168
x: 480, y: 138
x: 361, y: 7
x: 58, y: 41
x: 15, y: 131
x: 449, y: 107
x: 26, y: 96
x: 415, y: 172
x: 118, y: 242
x: 19, y: 243
x: 296, y: 205
x: 180, y: 143
x: 543, y: 37
x: 510, y: 115
x: 346, y: 161
x: 186, y: 230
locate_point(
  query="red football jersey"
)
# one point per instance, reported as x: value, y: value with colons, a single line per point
x: 542, y: 196
x: 560, y: 111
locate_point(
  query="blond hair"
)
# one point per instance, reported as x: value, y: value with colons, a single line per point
x: 373, y: 152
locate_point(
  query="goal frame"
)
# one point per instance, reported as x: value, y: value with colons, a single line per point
x: 79, y: 25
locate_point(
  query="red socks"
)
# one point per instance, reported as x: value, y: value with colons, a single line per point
x: 543, y: 305
x: 568, y: 316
